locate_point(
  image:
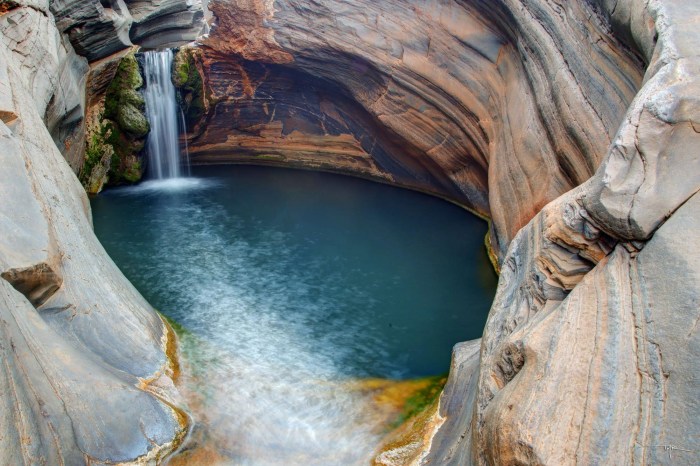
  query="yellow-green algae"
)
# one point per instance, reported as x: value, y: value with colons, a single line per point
x: 406, y: 406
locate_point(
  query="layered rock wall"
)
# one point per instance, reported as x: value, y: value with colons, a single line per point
x: 100, y: 28
x: 85, y: 377
x: 588, y: 353
x: 500, y: 106
x: 505, y: 107
x: 590, y: 349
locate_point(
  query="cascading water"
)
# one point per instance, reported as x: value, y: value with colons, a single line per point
x: 161, y: 109
x: 187, y: 151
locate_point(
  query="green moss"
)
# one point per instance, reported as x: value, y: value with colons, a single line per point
x: 422, y: 399
x: 134, y: 172
x: 131, y: 120
x: 93, y: 155
x: 189, y: 85
x: 116, y: 141
x: 93, y: 174
x: 133, y: 97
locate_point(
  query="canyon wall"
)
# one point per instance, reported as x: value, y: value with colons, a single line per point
x: 479, y: 102
x: 85, y: 375
x: 573, y: 126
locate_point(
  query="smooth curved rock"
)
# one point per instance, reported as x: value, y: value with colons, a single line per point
x: 584, y: 367
x: 500, y: 106
x: 29, y: 256
x: 85, y: 375
x: 100, y: 28
x: 505, y: 107
x: 451, y: 445
x: 590, y: 351
x: 65, y: 408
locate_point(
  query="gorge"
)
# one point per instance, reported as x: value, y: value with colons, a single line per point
x: 572, y: 126
x: 301, y: 300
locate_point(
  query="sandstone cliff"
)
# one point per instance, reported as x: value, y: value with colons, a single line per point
x: 498, y: 106
x: 85, y: 377
x: 589, y: 353
x: 574, y: 126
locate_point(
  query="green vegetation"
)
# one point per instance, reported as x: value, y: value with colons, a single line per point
x: 421, y: 399
x: 117, y: 137
x: 412, y: 430
x: 93, y: 174
x: 177, y: 327
x: 189, y: 85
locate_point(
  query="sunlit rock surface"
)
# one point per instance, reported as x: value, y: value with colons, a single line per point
x: 85, y: 377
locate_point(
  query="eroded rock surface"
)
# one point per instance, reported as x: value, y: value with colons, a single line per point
x: 83, y: 352
x: 574, y: 125
x: 583, y: 355
x: 501, y: 106
x: 505, y: 107
x: 99, y: 28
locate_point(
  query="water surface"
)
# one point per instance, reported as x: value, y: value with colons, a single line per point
x: 292, y: 283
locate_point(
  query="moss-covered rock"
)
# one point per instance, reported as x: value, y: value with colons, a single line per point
x: 117, y: 136
x: 133, y: 97
x: 133, y: 121
x: 98, y: 156
x: 188, y: 82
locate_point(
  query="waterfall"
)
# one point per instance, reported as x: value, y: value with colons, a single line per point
x: 187, y: 151
x: 161, y: 108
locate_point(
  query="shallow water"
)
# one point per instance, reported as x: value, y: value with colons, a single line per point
x: 292, y: 283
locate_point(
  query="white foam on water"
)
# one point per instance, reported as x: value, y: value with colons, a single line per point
x: 270, y: 389
x: 165, y: 186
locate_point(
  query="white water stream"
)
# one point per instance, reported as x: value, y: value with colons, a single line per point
x: 162, y: 112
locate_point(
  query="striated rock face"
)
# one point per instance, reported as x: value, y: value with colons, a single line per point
x: 589, y: 354
x: 99, y: 28
x: 499, y: 106
x: 85, y: 376
x: 574, y: 126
